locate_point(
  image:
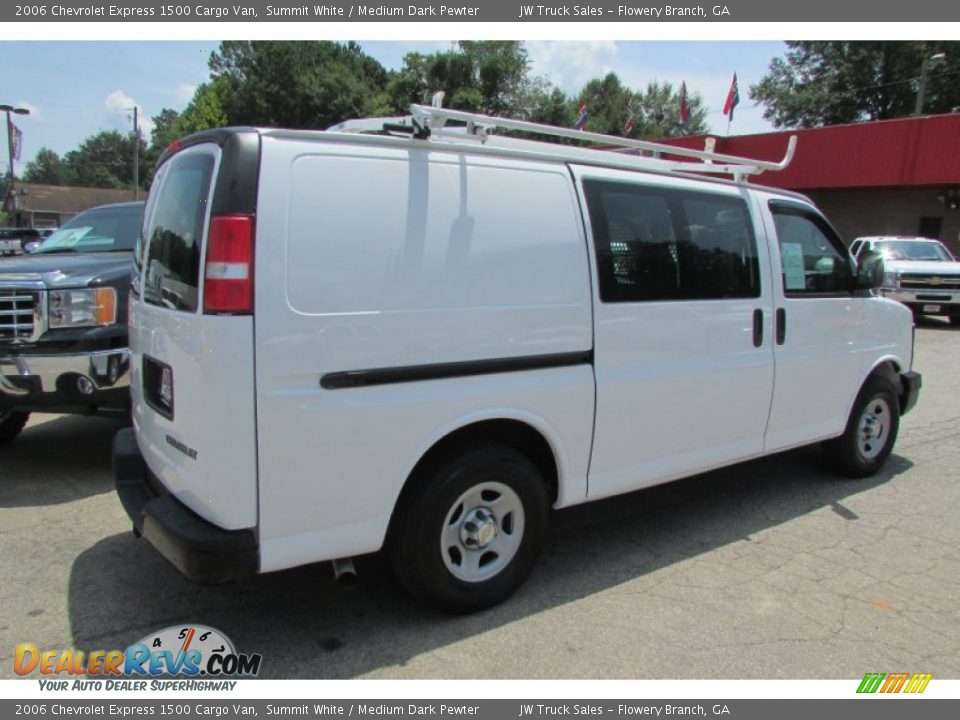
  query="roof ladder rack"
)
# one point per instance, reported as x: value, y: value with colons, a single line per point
x: 479, y: 127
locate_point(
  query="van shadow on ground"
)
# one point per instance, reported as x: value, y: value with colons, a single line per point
x: 62, y: 460
x: 307, y: 627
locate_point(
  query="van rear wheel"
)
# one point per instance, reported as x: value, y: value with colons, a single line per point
x: 471, y: 528
x: 11, y: 423
x: 871, y: 431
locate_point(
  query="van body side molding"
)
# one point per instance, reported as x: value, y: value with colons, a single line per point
x: 439, y: 371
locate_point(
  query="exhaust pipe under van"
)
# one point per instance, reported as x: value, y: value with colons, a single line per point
x: 344, y: 572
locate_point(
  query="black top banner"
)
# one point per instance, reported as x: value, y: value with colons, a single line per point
x: 479, y: 11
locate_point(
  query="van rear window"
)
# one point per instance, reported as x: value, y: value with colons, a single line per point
x: 175, y: 231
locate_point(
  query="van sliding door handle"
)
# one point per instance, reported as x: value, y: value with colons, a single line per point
x: 781, y: 325
x: 757, y: 327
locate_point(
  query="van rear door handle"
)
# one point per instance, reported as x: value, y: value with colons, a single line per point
x: 781, y: 325
x: 757, y: 327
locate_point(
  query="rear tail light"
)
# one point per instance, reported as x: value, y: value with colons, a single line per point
x: 228, y: 280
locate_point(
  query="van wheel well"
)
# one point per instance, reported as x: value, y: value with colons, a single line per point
x: 512, y: 433
x: 889, y: 370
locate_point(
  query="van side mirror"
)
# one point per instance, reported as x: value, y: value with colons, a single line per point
x: 31, y: 247
x: 869, y: 270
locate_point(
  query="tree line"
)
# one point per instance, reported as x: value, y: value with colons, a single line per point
x: 318, y: 84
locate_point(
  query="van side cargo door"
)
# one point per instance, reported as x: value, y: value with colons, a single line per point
x: 682, y: 312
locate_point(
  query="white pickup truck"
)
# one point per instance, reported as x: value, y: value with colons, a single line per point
x: 919, y: 272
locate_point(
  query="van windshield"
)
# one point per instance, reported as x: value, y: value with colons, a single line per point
x: 103, y: 229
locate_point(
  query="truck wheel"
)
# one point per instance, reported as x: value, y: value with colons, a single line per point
x: 469, y: 531
x: 870, y: 433
x: 11, y: 423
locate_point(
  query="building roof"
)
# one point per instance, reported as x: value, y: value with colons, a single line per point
x: 32, y: 197
x: 916, y: 151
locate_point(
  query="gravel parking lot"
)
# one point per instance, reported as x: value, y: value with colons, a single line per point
x: 772, y: 569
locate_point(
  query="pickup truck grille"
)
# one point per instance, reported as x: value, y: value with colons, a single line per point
x: 17, y: 313
x: 930, y: 282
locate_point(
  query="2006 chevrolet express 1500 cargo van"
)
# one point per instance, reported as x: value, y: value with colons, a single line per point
x: 421, y: 339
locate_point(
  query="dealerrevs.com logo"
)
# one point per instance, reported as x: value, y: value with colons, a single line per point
x: 894, y: 682
x: 192, y: 652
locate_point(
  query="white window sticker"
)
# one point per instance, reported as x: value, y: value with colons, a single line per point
x: 70, y: 238
x: 791, y: 255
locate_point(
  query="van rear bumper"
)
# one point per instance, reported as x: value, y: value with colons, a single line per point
x: 203, y: 552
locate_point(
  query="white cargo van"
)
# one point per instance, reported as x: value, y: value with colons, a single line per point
x: 421, y: 339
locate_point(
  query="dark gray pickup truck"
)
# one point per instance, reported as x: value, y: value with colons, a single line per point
x: 63, y: 310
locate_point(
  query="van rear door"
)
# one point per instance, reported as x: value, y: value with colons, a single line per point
x: 192, y: 377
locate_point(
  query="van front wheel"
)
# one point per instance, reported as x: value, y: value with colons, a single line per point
x: 470, y: 530
x: 871, y: 431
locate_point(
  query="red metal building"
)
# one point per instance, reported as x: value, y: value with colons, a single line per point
x: 893, y: 177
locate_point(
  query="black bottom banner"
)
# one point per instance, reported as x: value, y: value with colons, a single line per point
x: 874, y: 708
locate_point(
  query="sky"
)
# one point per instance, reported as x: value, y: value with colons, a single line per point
x: 76, y: 89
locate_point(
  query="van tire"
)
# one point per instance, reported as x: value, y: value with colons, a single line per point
x: 871, y: 431
x: 11, y: 423
x: 489, y: 496
x: 955, y: 319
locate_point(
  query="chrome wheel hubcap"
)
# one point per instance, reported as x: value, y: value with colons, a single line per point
x: 482, y: 532
x: 874, y: 428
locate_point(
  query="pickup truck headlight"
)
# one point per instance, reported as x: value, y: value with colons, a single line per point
x: 83, y: 307
x: 891, y: 280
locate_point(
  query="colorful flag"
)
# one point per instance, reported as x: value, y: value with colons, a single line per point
x: 733, y: 98
x: 628, y: 126
x: 16, y: 141
x: 684, y: 108
x: 631, y: 114
x: 582, y: 116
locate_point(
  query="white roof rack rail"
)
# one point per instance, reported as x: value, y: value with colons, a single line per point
x: 373, y: 124
x: 431, y: 122
x: 479, y: 126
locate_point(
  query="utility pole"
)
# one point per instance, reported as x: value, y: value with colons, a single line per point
x: 136, y: 155
x: 922, y: 87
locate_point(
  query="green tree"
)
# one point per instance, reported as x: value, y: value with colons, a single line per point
x: 489, y: 77
x: 164, y: 128
x: 830, y: 82
x: 659, y: 112
x: 204, y: 111
x: 102, y: 160
x: 655, y: 110
x: 294, y: 84
x: 407, y: 85
x: 501, y: 71
x: 46, y: 168
x: 549, y: 106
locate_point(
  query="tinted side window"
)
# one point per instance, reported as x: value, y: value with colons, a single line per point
x: 813, y: 259
x: 659, y: 244
x: 175, y: 232
x: 143, y: 232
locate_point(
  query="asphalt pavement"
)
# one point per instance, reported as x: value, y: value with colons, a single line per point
x: 771, y: 569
